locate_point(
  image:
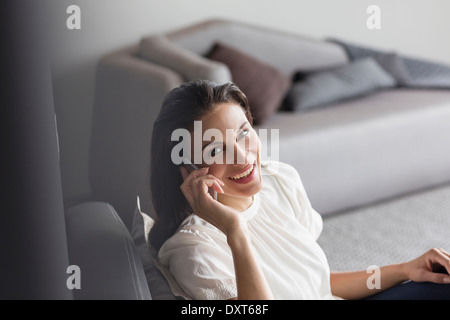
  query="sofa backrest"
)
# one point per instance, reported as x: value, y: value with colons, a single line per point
x: 287, y: 52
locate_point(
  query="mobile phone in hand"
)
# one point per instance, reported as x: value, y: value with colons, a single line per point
x: 191, y: 167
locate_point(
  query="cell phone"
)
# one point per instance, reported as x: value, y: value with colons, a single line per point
x: 191, y: 167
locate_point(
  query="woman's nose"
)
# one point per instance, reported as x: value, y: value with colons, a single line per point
x: 240, y: 153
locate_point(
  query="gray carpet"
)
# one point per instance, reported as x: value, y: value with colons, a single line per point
x: 389, y: 232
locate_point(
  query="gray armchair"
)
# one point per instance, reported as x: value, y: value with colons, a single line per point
x: 102, y: 247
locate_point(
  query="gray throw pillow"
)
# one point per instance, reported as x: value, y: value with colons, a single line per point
x: 393, y: 65
x: 355, y: 79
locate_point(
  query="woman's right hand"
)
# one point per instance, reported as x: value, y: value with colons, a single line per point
x: 251, y: 283
x: 195, y: 188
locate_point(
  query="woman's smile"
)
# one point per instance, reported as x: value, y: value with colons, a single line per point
x: 246, y: 175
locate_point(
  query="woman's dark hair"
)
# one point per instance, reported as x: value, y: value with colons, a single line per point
x: 181, y: 107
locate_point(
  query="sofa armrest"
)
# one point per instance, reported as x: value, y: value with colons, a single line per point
x: 162, y: 51
x: 101, y: 246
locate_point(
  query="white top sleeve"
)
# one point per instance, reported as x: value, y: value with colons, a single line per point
x: 201, y: 263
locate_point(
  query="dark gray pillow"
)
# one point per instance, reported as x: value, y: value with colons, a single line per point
x: 264, y: 85
x: 425, y: 74
x: 355, y: 79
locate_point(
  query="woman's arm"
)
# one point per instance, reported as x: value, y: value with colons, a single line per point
x: 250, y: 280
x: 353, y: 285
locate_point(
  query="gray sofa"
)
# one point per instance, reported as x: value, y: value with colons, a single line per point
x: 349, y: 154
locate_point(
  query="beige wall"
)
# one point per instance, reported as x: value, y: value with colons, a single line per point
x: 414, y: 27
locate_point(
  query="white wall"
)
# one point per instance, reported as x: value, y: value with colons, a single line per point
x: 415, y: 27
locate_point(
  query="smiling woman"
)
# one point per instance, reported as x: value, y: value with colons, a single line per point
x: 258, y: 238
x: 182, y: 109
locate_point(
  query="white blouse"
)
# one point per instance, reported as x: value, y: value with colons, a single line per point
x: 283, y: 228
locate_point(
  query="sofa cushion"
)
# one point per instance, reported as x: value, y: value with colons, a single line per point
x: 355, y: 79
x: 364, y: 150
x: 264, y: 85
x: 191, y: 66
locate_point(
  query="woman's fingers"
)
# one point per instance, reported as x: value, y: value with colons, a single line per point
x: 187, y: 185
x: 219, y: 182
x: 205, y: 184
x: 198, y: 183
x: 212, y: 183
x: 441, y: 257
x: 444, y: 252
x: 436, y: 277
x: 201, y: 174
x: 430, y: 259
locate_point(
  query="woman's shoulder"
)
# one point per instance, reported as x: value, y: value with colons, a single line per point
x: 193, y: 232
x: 279, y: 169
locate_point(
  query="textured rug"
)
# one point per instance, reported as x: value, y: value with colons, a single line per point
x: 390, y: 232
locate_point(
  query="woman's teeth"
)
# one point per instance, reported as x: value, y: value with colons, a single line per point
x: 243, y: 174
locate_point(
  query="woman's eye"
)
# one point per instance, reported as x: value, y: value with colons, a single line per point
x: 215, y: 151
x: 243, y: 133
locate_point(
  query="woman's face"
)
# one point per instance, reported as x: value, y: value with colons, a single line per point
x: 237, y: 156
